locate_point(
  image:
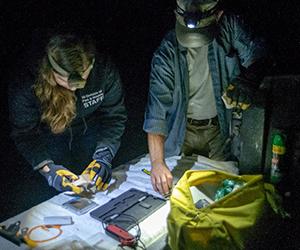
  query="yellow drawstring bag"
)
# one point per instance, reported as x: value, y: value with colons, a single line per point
x: 223, y: 224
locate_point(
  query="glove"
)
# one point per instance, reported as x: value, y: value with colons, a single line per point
x: 99, y: 173
x: 61, y: 179
x: 239, y: 94
x: 99, y: 170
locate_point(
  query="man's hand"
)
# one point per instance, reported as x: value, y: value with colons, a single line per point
x: 60, y: 178
x: 99, y: 174
x: 161, y: 178
x: 239, y: 94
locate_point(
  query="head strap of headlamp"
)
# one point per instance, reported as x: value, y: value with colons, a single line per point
x: 74, y: 78
x: 198, y: 15
x: 56, y: 67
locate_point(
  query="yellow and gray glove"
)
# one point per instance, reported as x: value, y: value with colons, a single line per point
x: 99, y: 170
x: 99, y: 174
x: 239, y: 94
x: 242, y: 91
x: 61, y: 178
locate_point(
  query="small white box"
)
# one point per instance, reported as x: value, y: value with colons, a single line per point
x: 58, y: 220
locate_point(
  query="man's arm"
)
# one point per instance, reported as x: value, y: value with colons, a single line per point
x: 254, y: 59
x: 160, y: 101
x: 161, y: 176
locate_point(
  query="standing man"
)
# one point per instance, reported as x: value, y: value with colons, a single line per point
x: 209, y: 55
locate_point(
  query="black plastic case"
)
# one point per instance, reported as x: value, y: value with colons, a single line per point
x: 128, y: 209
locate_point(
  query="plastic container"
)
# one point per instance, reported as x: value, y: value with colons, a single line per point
x: 278, y: 150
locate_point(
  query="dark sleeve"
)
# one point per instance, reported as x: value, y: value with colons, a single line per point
x: 251, y: 49
x: 24, y: 118
x: 111, y: 115
x: 253, y: 52
x: 249, y: 46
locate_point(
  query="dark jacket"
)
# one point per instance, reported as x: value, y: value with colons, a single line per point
x: 100, y: 103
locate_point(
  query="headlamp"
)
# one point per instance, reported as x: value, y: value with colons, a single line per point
x: 193, y: 18
x: 75, y: 80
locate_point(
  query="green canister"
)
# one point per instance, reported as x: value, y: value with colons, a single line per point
x: 278, y: 150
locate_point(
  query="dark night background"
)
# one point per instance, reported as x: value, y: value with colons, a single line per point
x: 131, y: 31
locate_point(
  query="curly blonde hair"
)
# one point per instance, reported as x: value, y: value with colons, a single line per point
x: 58, y: 104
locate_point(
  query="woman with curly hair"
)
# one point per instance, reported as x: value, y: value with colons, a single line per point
x: 68, y: 112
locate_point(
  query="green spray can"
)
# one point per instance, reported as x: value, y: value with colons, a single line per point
x: 278, y: 150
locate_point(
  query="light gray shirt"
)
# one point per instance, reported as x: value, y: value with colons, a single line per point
x: 202, y: 104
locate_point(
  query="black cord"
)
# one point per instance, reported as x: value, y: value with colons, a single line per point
x: 138, y: 236
x: 114, y: 219
x: 143, y: 245
x: 136, y: 224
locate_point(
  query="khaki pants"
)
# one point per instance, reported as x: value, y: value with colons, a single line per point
x: 204, y: 140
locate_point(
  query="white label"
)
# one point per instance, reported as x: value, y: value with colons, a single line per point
x: 92, y: 98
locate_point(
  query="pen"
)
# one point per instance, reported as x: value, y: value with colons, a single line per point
x: 146, y: 171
